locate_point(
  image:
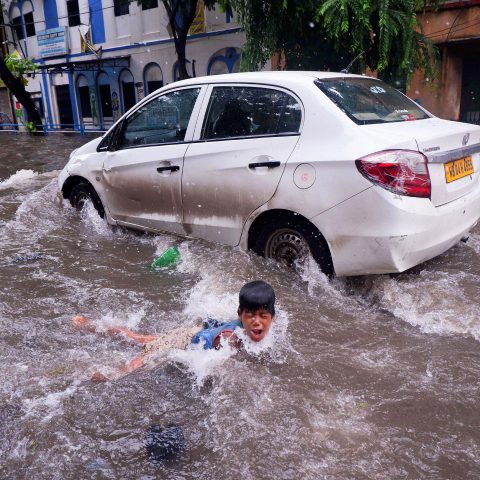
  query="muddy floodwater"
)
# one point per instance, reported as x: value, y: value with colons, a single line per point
x: 367, y: 378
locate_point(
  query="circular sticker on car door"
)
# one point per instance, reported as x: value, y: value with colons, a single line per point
x: 304, y: 176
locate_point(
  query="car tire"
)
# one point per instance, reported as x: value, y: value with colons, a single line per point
x: 83, y: 193
x: 290, y: 240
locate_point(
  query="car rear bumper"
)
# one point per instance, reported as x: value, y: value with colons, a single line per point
x: 379, y: 232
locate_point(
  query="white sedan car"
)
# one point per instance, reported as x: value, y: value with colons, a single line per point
x: 287, y: 163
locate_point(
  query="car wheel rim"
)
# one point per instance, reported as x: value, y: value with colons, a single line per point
x: 286, y: 246
x: 82, y: 200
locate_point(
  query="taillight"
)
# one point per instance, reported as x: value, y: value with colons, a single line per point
x: 401, y: 171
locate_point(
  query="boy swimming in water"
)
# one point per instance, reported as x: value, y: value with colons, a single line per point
x: 256, y: 313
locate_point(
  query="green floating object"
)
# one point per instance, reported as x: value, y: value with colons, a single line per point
x: 168, y: 258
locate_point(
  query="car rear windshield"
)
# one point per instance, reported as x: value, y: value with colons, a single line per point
x: 367, y: 100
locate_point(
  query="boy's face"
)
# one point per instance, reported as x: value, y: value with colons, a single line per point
x: 256, y: 324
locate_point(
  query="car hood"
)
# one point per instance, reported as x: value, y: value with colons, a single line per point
x: 78, y: 156
x: 89, y: 147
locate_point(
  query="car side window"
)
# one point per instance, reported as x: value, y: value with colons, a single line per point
x: 162, y: 120
x: 250, y: 111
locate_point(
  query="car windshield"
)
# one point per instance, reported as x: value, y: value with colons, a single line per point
x: 366, y: 100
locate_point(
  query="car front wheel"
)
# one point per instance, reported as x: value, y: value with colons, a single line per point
x: 81, y: 194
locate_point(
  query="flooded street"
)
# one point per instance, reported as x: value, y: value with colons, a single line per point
x: 364, y: 378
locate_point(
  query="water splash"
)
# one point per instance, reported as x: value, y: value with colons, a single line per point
x: 429, y: 300
x: 202, y: 363
x: 18, y: 179
x: 129, y: 320
x: 210, y: 297
x: 92, y: 220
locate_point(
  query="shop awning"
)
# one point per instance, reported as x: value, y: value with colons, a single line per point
x: 92, y: 65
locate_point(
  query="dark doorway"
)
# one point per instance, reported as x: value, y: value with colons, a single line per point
x: 106, y: 100
x: 128, y: 90
x: 64, y: 106
x: 470, y: 104
x: 39, y: 104
x: 106, y: 103
x: 85, y: 106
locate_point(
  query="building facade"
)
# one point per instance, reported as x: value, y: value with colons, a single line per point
x: 455, y: 94
x: 98, y: 58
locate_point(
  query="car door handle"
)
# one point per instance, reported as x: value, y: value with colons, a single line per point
x: 171, y: 168
x: 264, y: 164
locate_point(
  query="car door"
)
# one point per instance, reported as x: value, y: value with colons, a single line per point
x: 142, y: 175
x: 237, y: 160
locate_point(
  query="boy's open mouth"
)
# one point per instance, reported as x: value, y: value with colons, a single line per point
x: 257, y: 333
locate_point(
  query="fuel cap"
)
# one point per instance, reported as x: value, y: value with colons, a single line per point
x: 304, y: 176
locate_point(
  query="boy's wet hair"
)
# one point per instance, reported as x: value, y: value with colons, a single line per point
x: 255, y: 295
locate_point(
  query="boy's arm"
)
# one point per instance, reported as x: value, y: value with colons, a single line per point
x: 211, y: 337
x: 82, y: 323
x: 137, y: 337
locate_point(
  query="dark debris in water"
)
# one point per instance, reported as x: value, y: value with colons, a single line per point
x: 26, y: 258
x: 164, y: 444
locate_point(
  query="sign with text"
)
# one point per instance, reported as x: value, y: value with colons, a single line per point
x: 52, y: 42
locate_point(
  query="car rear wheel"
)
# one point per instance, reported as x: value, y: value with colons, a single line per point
x: 290, y: 242
x: 81, y: 194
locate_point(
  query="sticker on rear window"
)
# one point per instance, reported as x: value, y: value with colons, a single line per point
x: 376, y: 89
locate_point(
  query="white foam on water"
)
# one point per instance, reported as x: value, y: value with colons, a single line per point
x: 162, y: 243
x: 20, y: 451
x: 189, y: 261
x: 129, y: 320
x: 50, y: 405
x: 91, y: 217
x: 310, y: 273
x: 211, y: 297
x: 202, y: 363
x: 34, y: 219
x: 428, y: 300
x: 431, y: 301
x: 100, y: 227
x: 317, y: 282
x: 49, y: 174
x: 211, y: 260
x: 18, y: 179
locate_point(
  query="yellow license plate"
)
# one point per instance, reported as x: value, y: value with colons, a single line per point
x: 458, y: 169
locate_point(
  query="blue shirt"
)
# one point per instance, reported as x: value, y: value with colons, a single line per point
x: 210, y: 334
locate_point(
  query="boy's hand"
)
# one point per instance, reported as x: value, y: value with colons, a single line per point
x: 233, y: 340
x: 82, y: 323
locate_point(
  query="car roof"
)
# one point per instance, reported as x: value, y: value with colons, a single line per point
x: 277, y: 76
